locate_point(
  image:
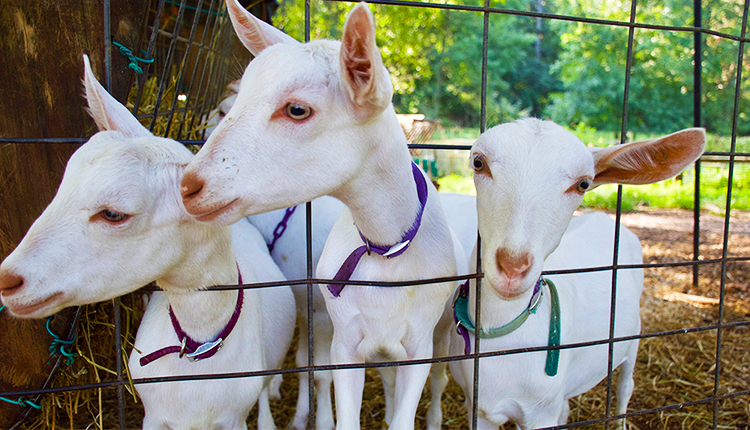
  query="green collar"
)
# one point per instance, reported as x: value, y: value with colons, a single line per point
x: 465, y: 326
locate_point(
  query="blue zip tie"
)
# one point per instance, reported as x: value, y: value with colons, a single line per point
x: 58, y: 345
x: 22, y: 402
x: 2, y: 307
x: 133, y: 59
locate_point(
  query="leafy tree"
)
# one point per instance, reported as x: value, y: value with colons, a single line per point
x: 435, y: 57
x: 592, y: 66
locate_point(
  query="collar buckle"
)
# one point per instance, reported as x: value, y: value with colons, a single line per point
x: 182, y: 346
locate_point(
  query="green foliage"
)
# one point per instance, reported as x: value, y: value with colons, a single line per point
x: 592, y: 67
x: 457, y: 184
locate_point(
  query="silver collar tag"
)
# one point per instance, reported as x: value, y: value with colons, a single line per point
x: 396, y: 248
x: 204, y: 348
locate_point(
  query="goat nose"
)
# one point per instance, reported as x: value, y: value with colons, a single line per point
x: 10, y: 282
x: 191, y: 185
x: 512, y: 264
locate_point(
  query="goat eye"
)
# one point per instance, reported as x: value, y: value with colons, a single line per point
x: 478, y: 163
x: 583, y: 185
x: 298, y: 112
x: 113, y: 217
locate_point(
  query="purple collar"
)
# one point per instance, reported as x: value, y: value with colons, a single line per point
x: 196, y: 350
x: 281, y: 227
x: 346, y: 270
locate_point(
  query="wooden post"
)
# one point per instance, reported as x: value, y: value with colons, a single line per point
x: 42, y: 97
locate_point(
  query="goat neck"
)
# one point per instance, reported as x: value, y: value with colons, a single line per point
x: 209, y: 261
x: 381, y: 194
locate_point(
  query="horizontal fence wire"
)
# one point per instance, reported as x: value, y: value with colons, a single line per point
x: 201, y: 97
x: 515, y: 351
x: 533, y: 14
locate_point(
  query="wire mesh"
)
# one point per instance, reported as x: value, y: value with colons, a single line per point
x: 190, y: 42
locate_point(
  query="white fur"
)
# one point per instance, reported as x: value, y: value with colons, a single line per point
x: 352, y: 148
x: 526, y: 196
x: 72, y: 256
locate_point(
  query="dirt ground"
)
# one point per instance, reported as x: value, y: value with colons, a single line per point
x: 671, y: 370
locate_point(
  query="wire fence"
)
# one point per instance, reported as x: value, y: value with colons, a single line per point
x: 189, y: 41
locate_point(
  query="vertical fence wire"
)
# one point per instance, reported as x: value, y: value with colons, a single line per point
x: 183, y: 66
x: 310, y: 320
x: 204, y: 82
x: 618, y: 216
x: 163, y: 83
x: 116, y: 301
x: 478, y: 298
x: 697, y: 95
x: 727, y: 216
x: 150, y: 54
x: 201, y: 51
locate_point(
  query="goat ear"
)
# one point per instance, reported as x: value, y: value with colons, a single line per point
x: 107, y: 112
x: 364, y: 78
x: 255, y: 34
x: 648, y: 161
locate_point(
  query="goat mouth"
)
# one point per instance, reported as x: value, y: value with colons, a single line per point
x: 507, y: 290
x: 36, y: 305
x: 212, y: 215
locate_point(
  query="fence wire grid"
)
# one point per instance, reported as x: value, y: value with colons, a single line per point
x: 192, y: 67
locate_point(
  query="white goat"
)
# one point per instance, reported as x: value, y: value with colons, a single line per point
x: 116, y: 224
x: 289, y: 251
x: 530, y: 177
x: 316, y: 119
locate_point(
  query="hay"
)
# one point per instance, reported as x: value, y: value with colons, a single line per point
x: 182, y: 125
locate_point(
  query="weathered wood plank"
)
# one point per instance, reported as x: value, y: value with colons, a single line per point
x: 41, y: 96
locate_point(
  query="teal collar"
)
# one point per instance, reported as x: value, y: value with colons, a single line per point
x: 465, y: 326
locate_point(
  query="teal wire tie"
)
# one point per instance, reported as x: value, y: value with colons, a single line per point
x: 22, y: 402
x: 206, y: 11
x: 133, y: 59
x: 58, y: 345
x: 2, y: 308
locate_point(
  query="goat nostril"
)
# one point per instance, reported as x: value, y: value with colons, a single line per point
x: 10, y: 283
x: 191, y: 185
x: 513, y: 265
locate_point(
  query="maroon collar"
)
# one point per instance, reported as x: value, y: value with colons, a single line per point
x: 196, y: 350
